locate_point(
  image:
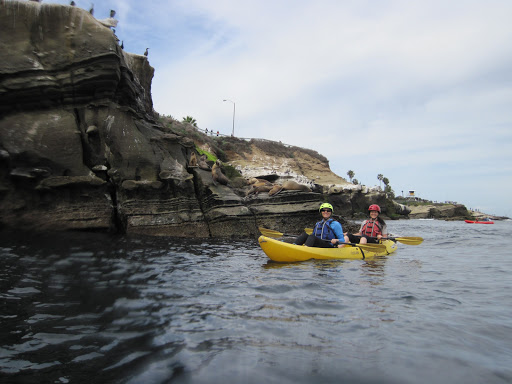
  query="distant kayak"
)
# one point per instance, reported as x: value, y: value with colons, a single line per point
x: 285, y: 252
x: 478, y: 222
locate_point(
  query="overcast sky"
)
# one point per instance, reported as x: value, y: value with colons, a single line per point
x: 419, y: 91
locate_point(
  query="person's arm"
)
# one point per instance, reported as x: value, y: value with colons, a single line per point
x: 338, y: 232
x: 384, y: 231
x: 361, y: 228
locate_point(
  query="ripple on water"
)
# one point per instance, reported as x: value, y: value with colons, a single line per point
x: 124, y: 309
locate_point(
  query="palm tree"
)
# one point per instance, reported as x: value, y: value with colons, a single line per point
x: 190, y: 120
x: 351, y: 175
x: 387, y: 189
x: 380, y: 177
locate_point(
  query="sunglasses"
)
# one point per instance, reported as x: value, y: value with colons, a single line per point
x: 325, y: 210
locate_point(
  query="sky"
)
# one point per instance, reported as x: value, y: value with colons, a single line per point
x: 419, y: 91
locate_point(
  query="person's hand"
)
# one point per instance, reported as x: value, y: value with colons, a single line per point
x: 379, y: 237
x: 334, y: 241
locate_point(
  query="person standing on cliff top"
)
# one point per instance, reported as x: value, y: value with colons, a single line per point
x: 372, y: 230
x: 327, y: 232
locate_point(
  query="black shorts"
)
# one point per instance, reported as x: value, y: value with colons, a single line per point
x: 356, y: 238
x: 371, y: 239
x: 312, y: 241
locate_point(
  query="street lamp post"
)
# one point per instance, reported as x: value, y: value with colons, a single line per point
x: 233, y: 133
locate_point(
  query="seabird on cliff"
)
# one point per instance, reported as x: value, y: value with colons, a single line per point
x: 122, y: 44
x: 72, y: 3
x: 112, y: 13
x: 146, y: 53
x: 91, y: 11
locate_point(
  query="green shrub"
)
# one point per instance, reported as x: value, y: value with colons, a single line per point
x: 233, y: 144
x: 230, y: 171
x: 209, y: 156
x: 222, y: 155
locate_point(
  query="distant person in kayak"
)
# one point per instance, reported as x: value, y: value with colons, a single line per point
x: 372, y: 230
x: 326, y: 232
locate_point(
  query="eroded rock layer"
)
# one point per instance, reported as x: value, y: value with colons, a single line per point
x: 80, y: 148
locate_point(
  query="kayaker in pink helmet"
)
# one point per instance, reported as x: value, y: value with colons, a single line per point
x: 372, y: 230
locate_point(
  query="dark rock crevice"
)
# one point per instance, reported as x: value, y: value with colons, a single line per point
x: 198, y: 188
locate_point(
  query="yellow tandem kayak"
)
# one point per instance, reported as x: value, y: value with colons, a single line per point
x: 286, y: 253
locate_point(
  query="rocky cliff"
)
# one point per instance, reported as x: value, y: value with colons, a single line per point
x: 439, y: 211
x: 80, y: 148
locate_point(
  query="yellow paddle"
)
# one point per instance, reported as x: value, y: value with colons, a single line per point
x: 378, y: 248
x: 275, y: 234
x: 409, y: 240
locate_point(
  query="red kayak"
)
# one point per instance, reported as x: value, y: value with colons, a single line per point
x: 479, y: 222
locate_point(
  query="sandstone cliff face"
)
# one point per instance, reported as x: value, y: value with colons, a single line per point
x: 80, y: 148
x: 267, y: 157
x: 439, y: 211
x: 77, y: 139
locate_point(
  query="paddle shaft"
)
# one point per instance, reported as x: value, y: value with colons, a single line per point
x: 272, y: 233
x: 411, y: 240
x: 367, y: 247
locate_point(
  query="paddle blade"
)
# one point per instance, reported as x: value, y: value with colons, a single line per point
x: 409, y: 240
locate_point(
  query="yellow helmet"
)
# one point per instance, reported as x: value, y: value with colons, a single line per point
x: 326, y: 205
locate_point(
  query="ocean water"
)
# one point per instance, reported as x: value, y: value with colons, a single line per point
x: 88, y: 307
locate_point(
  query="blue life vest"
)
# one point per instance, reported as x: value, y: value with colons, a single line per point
x: 324, y: 231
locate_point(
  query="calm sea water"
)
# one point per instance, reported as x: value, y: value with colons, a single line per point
x: 96, y: 308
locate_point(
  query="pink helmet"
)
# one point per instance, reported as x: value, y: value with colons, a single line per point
x: 374, y: 207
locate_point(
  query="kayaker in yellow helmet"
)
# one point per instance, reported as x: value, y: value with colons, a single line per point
x: 372, y: 230
x: 327, y: 233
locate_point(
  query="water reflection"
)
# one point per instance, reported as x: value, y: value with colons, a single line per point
x: 371, y: 267
x: 304, y: 264
x: 374, y: 270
